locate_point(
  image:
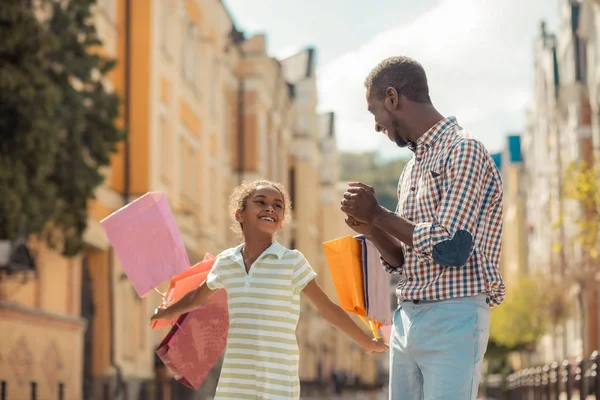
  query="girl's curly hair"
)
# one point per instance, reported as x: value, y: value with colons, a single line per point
x: 240, y: 195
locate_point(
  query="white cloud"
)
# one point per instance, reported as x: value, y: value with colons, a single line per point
x: 478, y: 57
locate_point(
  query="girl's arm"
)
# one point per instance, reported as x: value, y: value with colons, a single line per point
x: 340, y: 319
x: 187, y: 303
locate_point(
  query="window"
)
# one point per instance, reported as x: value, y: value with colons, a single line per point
x: 165, y: 16
x: 189, y: 171
x: 213, y: 88
x: 192, y: 183
x: 190, y: 49
x: 166, y: 167
x: 183, y: 171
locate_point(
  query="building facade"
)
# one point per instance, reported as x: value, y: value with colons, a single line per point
x: 589, y: 32
x: 513, y: 262
x: 560, y: 130
x: 205, y: 108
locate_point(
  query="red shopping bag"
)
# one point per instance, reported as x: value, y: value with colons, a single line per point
x: 196, y: 341
x: 184, y: 283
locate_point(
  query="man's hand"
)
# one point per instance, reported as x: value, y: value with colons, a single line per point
x: 359, y: 227
x: 360, y: 203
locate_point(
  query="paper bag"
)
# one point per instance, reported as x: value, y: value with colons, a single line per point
x: 182, y: 284
x: 146, y: 241
x: 386, y: 331
x: 196, y: 342
x: 344, y: 257
x: 377, y: 284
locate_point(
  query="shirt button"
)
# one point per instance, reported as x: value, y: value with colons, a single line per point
x: 410, y: 278
x: 412, y: 188
x: 418, y: 159
x: 409, y: 249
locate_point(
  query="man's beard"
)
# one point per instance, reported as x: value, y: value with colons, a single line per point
x: 400, y: 142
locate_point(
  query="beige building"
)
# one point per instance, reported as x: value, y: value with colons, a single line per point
x: 514, y: 255
x: 589, y: 32
x: 559, y: 130
x: 205, y: 108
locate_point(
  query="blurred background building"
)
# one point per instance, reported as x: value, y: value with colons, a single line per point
x: 551, y: 204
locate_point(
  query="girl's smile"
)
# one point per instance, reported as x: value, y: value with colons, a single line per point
x: 264, y: 210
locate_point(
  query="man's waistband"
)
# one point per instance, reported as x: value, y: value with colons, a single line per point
x: 479, y: 297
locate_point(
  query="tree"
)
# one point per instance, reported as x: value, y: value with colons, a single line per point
x: 580, y: 231
x: 523, y: 317
x: 29, y: 100
x: 58, y: 120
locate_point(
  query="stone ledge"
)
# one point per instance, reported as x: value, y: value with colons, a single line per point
x: 36, y: 315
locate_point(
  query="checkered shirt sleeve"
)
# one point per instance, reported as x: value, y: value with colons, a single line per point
x: 387, y: 266
x: 448, y: 238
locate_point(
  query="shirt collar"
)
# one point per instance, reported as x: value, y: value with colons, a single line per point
x: 275, y: 249
x: 433, y: 134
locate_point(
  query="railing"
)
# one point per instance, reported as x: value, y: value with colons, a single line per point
x: 556, y: 380
x: 153, y: 391
x: 33, y: 390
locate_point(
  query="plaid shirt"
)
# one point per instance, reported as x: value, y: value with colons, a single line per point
x: 452, y: 190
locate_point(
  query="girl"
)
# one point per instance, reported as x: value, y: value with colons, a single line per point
x: 264, y: 280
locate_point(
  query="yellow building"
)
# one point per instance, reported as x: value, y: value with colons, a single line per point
x: 204, y: 108
x: 514, y: 232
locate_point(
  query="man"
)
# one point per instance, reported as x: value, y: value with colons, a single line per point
x: 443, y: 240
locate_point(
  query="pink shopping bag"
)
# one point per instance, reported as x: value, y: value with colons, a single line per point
x: 196, y: 342
x: 386, y: 331
x: 146, y: 241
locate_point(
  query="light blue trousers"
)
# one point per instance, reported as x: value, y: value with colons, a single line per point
x: 437, y: 348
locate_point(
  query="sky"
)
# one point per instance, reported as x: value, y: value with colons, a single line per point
x: 478, y: 55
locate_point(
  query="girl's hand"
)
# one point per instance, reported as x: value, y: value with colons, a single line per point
x: 376, y: 346
x: 160, y: 314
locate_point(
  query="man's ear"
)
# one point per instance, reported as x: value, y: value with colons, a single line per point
x: 392, y: 99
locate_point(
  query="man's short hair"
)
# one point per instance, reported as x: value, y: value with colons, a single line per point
x: 404, y: 74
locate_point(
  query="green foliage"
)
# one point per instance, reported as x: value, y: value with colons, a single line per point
x: 57, y: 120
x: 383, y: 177
x: 581, y: 184
x: 533, y: 305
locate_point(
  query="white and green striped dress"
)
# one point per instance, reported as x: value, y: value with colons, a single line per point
x: 261, y: 358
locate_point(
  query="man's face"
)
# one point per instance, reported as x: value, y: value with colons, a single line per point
x: 386, y: 117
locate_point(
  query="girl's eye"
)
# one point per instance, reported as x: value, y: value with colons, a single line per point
x: 278, y: 206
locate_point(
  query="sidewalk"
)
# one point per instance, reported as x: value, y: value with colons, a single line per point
x: 354, y: 396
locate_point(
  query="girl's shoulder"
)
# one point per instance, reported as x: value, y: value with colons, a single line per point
x: 229, y: 252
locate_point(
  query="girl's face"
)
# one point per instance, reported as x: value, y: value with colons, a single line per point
x: 264, y: 211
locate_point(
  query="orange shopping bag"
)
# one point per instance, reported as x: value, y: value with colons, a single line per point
x: 184, y: 283
x: 345, y: 260
x: 344, y: 257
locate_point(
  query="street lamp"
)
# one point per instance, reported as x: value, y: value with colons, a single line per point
x: 16, y: 258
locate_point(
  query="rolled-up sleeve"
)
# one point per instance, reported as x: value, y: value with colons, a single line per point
x: 389, y: 268
x: 449, y: 239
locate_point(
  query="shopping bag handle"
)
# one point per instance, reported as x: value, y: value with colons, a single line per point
x: 372, y: 326
x: 168, y: 304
